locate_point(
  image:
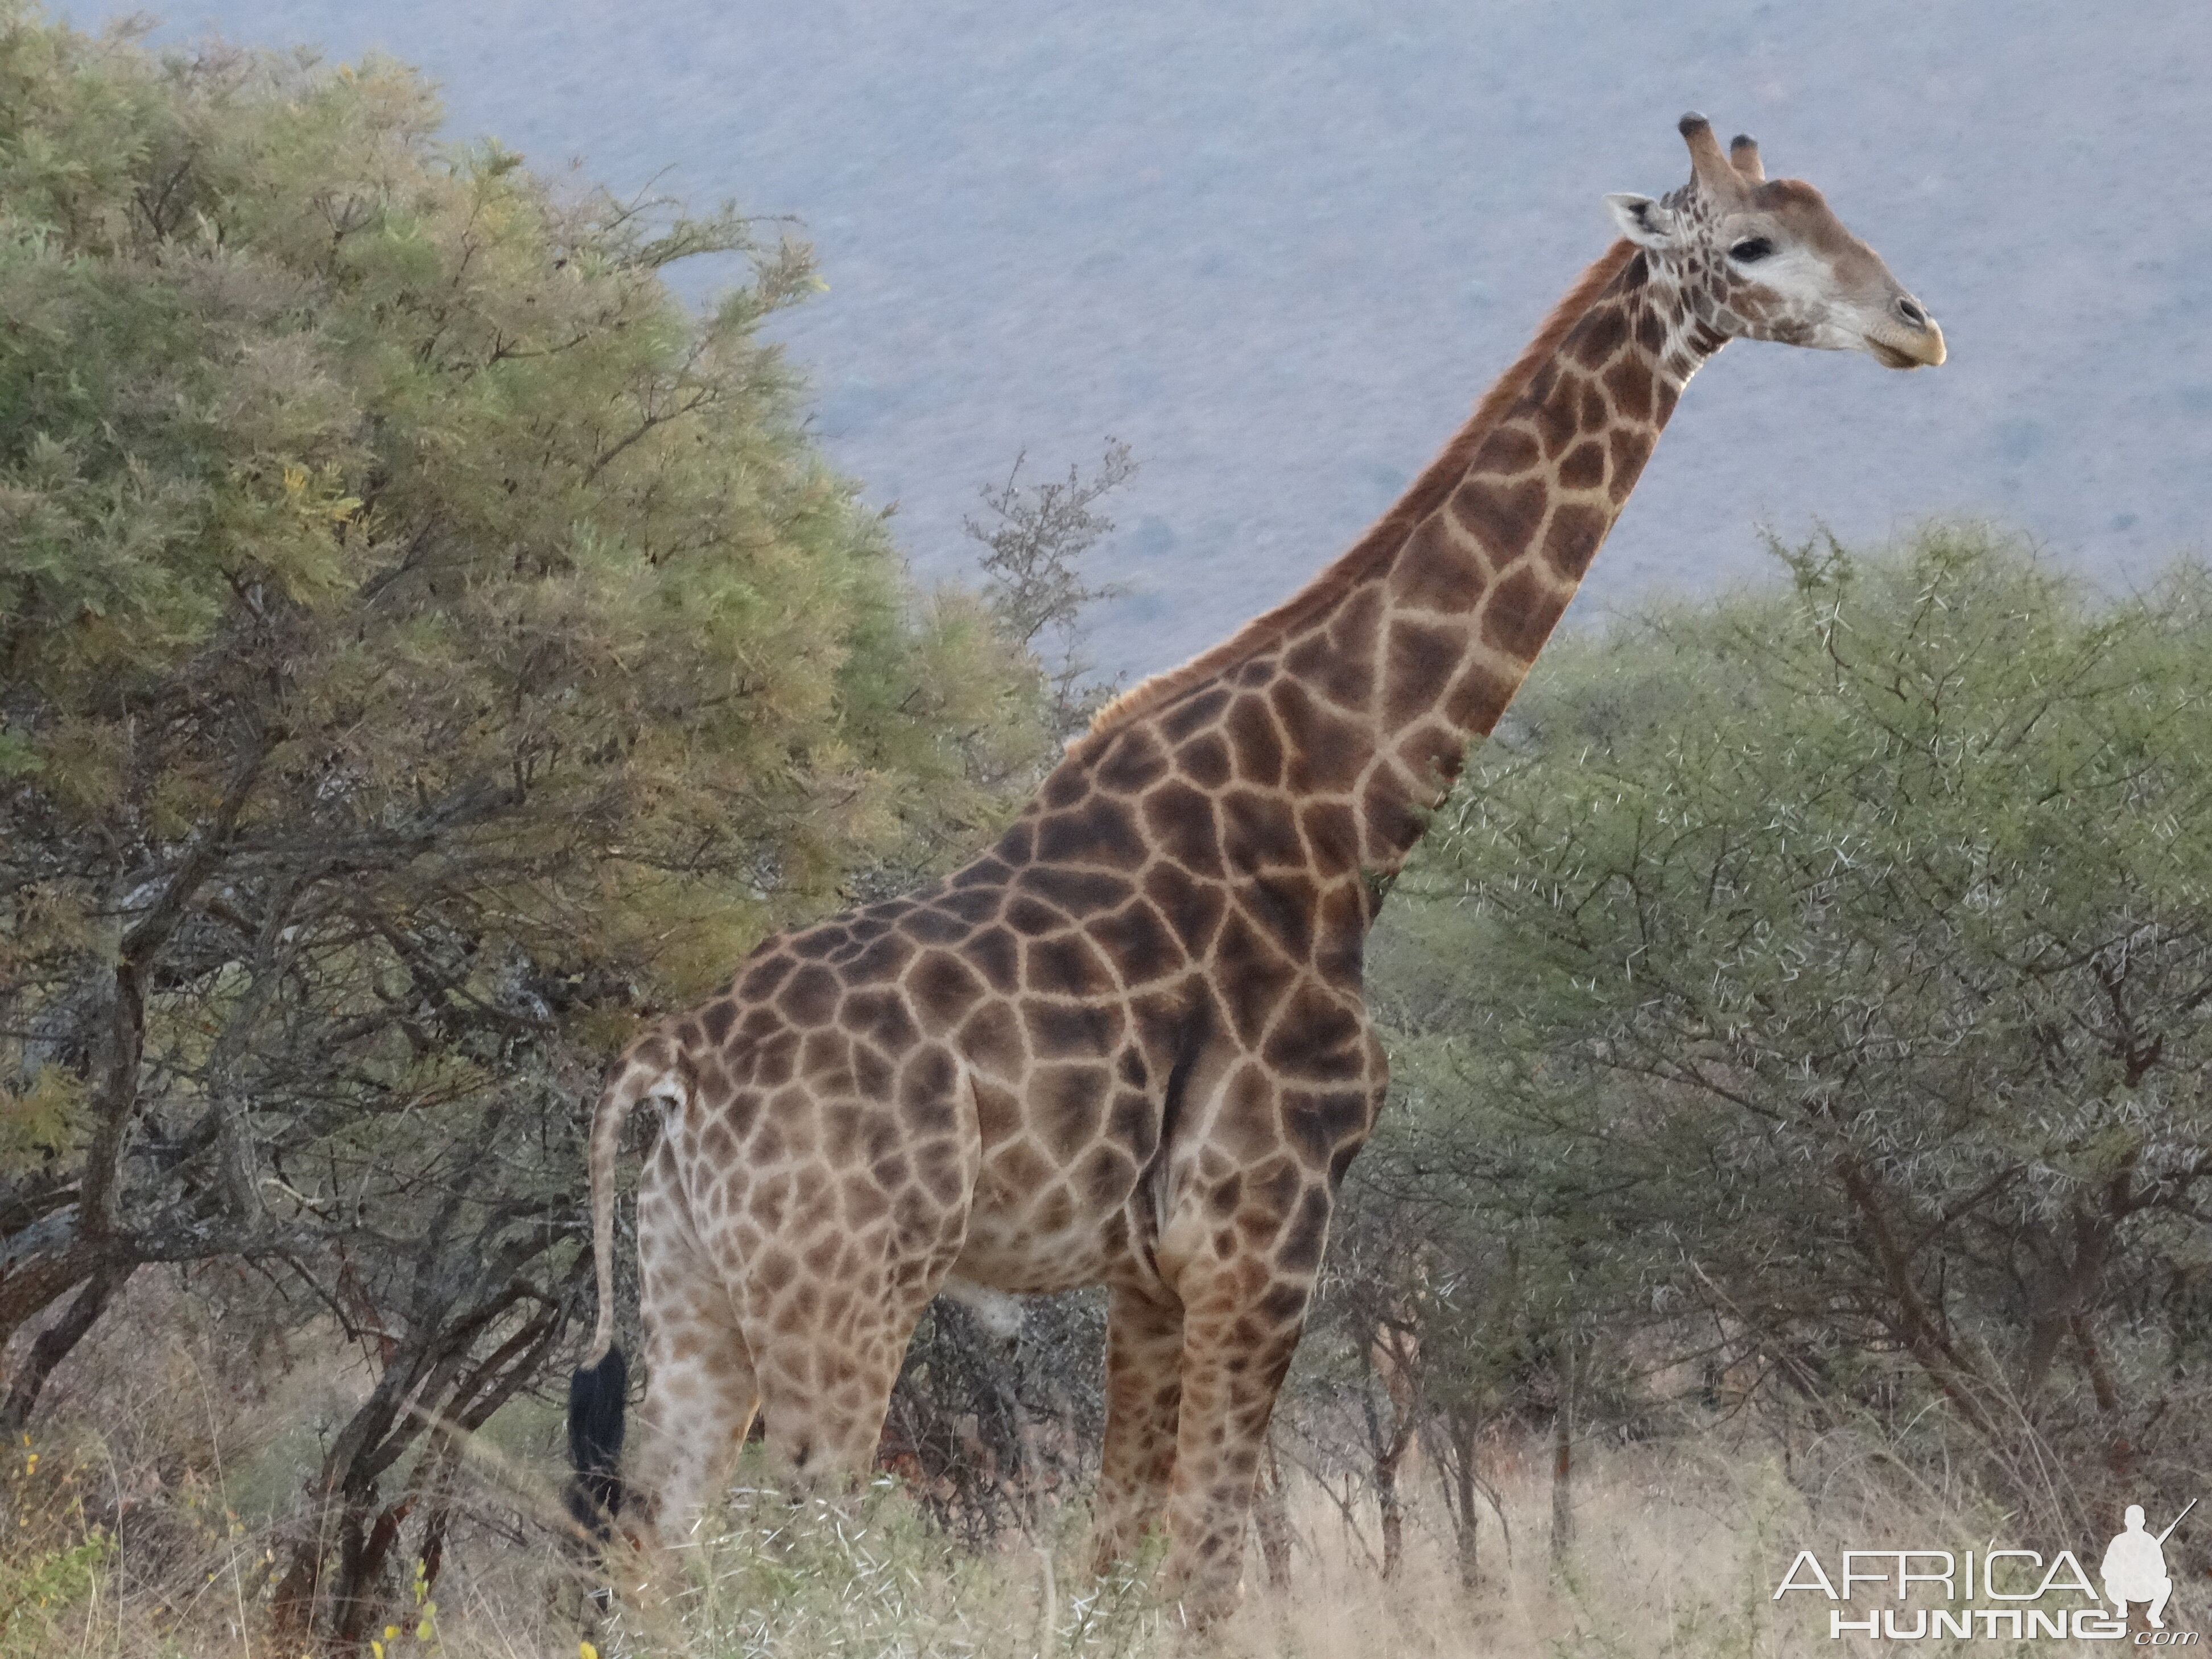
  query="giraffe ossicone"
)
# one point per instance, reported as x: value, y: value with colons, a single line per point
x: 1126, y: 1045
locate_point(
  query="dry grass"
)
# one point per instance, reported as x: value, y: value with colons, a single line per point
x: 147, y: 1520
x: 1678, y: 1549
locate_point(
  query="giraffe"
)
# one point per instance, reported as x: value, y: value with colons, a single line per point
x: 1126, y: 1045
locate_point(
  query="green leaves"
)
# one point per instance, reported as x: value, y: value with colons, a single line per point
x: 1856, y: 939
x: 299, y: 407
x: 39, y: 1120
x: 426, y: 648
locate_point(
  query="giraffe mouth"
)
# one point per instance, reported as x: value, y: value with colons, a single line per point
x: 1909, y: 351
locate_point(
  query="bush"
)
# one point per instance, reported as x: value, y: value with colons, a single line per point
x: 425, y: 646
x: 1826, y: 973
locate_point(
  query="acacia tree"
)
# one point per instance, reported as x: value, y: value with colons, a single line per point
x: 1855, y: 942
x: 425, y: 646
x: 990, y: 1428
x: 1459, y: 1301
x: 1034, y: 539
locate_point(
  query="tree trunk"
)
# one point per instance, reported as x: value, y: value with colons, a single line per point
x: 1460, y: 1427
x: 1563, y: 1455
x: 1393, y: 1512
x: 2119, y: 1449
x: 338, y: 1589
x: 1271, y: 1514
x: 1387, y: 1447
x: 47, y: 1260
x: 53, y: 1344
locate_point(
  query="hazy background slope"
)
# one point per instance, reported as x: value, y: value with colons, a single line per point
x: 1280, y: 249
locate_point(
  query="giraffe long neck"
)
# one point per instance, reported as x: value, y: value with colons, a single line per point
x: 1321, y: 735
x: 1421, y: 655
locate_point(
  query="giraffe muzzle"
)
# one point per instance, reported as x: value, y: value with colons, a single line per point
x: 1907, y: 337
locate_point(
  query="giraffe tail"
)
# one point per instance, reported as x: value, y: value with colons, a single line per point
x: 596, y: 1394
x: 637, y: 1080
x: 599, y: 1388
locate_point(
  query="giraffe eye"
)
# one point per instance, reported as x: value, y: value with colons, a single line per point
x: 1751, y: 250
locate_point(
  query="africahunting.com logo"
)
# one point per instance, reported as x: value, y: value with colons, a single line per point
x: 1999, y: 1594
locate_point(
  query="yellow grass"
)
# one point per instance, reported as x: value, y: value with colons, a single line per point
x: 1677, y: 1551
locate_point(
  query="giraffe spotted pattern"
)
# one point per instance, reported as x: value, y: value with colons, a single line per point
x: 1128, y: 1045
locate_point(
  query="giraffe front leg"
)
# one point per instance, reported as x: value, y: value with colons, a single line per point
x: 1144, y: 1389
x: 1246, y: 1292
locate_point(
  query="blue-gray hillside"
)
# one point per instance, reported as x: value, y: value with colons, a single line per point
x: 1279, y: 246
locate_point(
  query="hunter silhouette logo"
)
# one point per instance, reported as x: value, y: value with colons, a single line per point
x: 2029, y: 1596
x: 2135, y: 1566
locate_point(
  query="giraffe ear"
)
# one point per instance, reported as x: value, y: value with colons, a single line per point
x: 1642, y: 220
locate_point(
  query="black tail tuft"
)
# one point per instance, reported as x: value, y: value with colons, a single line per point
x: 596, y: 1396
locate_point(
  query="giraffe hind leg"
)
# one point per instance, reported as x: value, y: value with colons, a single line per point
x: 863, y: 1233
x: 700, y: 1400
x: 829, y: 1352
x: 701, y: 1391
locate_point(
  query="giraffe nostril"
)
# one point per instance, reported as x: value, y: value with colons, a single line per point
x: 1911, y: 311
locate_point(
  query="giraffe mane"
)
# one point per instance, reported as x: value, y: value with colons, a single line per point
x: 1382, y: 539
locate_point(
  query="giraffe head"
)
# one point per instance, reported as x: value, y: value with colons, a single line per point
x: 1763, y: 258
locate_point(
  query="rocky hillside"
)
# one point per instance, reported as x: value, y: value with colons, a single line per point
x: 1281, y: 250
